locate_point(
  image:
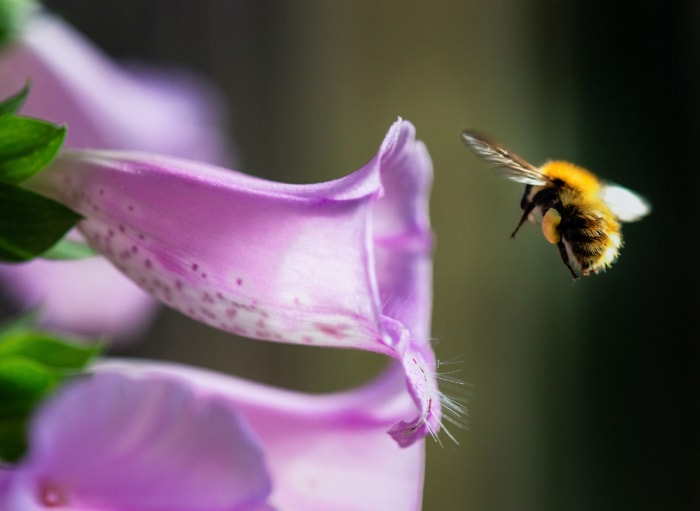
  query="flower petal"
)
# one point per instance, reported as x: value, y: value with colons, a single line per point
x: 291, y: 263
x: 324, y: 452
x: 114, y: 442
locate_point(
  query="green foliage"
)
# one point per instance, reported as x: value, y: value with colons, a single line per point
x: 45, y: 349
x: 13, y: 15
x: 68, y: 250
x: 32, y: 365
x: 30, y: 224
x: 26, y: 146
x: 23, y: 383
x: 12, y: 104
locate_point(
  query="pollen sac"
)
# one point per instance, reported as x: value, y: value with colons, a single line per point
x: 550, y: 226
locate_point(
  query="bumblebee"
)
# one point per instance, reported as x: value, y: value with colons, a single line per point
x: 579, y: 213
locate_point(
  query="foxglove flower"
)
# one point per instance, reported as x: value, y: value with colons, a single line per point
x: 346, y: 263
x: 107, y: 107
x: 151, y: 436
x: 111, y: 442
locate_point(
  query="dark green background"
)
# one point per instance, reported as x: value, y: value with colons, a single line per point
x: 581, y: 396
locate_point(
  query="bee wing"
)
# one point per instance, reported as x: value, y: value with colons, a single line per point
x: 625, y: 204
x: 510, y: 165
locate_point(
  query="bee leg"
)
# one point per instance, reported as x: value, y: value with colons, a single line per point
x: 527, y: 209
x: 565, y: 258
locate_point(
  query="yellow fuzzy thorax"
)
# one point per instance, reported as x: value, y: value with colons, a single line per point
x: 582, y: 188
x: 578, y: 178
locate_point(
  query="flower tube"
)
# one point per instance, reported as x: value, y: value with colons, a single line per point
x: 109, y: 107
x: 346, y: 263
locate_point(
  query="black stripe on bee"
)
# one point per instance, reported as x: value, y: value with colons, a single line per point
x: 584, y: 232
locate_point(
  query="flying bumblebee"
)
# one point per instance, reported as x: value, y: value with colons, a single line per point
x: 579, y: 213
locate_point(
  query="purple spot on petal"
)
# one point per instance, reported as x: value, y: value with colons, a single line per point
x: 148, y: 263
x: 335, y: 331
x: 206, y: 312
x: 195, y: 266
x: 239, y: 282
x: 231, y: 312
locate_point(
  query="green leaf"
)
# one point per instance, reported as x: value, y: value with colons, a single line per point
x: 69, y: 250
x: 13, y: 438
x: 26, y: 146
x: 13, y: 103
x: 32, y: 365
x: 13, y: 16
x: 30, y: 224
x: 24, y: 323
x: 47, y: 350
x: 23, y: 383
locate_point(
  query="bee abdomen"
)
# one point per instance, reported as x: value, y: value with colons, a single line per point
x: 592, y: 240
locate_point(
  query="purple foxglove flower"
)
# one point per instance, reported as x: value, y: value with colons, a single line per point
x: 346, y: 263
x: 118, y: 443
x: 107, y: 106
x: 104, y: 106
x: 140, y: 436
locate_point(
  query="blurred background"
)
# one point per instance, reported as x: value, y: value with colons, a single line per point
x: 580, y: 396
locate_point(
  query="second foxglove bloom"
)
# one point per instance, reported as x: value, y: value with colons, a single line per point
x: 146, y: 436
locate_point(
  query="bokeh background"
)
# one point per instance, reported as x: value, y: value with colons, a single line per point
x: 580, y: 396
